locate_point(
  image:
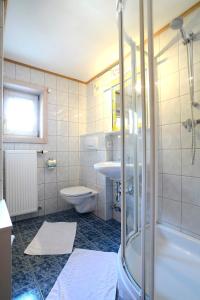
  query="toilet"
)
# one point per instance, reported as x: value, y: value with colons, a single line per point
x: 82, y: 198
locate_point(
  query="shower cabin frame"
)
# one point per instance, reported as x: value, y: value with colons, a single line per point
x: 140, y: 292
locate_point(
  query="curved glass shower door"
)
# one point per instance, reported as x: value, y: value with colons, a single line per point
x: 132, y: 143
x: 136, y: 240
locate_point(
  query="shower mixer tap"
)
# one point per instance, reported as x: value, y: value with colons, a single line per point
x: 188, y: 124
x: 196, y: 104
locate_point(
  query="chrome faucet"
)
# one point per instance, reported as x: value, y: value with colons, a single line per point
x: 188, y: 124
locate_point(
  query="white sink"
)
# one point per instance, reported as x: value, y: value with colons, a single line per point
x: 112, y: 169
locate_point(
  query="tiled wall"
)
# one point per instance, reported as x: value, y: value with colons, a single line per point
x: 179, y: 180
x: 99, y: 104
x: 1, y: 98
x: 97, y: 116
x: 66, y: 103
x: 89, y: 177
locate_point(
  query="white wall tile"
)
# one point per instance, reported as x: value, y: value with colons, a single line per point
x: 40, y: 161
x: 50, y: 81
x: 62, y: 84
x: 62, y: 174
x: 50, y: 175
x: 169, y: 62
x: 52, y: 127
x: 170, y: 111
x: 50, y: 190
x: 40, y: 175
x: 62, y: 128
x: 190, y: 218
x: 51, y: 205
x: 73, y: 143
x: 62, y: 159
x: 62, y: 143
x: 191, y: 190
x: 171, y: 136
x: 73, y: 129
x: 51, y: 112
x: 187, y: 168
x: 74, y: 158
x: 172, y: 161
x: 51, y: 146
x: 23, y: 73
x: 37, y: 77
x: 9, y: 70
x: 73, y: 173
x: 62, y: 98
x: 73, y: 87
x: 52, y: 97
x: 73, y: 114
x: 62, y: 113
x: 170, y: 87
x: 172, y: 187
x: 40, y: 192
x: 171, y: 212
x: 73, y: 101
x: 82, y: 89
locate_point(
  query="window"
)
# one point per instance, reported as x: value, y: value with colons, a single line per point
x: 24, y: 117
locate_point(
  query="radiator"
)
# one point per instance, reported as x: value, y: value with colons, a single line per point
x: 21, y: 181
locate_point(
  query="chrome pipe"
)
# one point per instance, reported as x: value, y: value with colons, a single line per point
x: 144, y: 159
x: 189, y: 46
x: 152, y: 141
x: 122, y: 118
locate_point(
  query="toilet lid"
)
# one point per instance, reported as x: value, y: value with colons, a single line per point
x: 76, y: 191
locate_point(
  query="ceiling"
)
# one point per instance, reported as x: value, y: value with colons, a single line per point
x: 76, y: 38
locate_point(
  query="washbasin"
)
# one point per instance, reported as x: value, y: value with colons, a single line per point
x: 112, y: 169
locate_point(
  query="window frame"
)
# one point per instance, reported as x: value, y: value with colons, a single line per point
x: 41, y: 92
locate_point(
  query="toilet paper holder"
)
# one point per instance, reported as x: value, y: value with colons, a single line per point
x: 51, y: 163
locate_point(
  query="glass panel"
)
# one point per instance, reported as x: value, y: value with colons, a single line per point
x: 133, y: 142
x: 134, y: 147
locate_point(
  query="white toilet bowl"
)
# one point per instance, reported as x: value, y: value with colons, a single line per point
x: 82, y: 198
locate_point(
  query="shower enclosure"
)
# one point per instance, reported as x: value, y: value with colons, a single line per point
x: 159, y: 257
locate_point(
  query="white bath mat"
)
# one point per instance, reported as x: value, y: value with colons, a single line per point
x: 87, y: 275
x: 53, y: 238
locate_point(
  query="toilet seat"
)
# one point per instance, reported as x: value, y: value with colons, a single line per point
x: 76, y: 191
x: 82, y: 198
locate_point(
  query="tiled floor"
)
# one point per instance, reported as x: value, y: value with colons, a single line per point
x: 34, y: 276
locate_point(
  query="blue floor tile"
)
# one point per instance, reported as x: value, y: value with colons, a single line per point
x: 46, y: 286
x: 21, y: 279
x: 20, y: 262
x: 46, y: 270
x: 34, y: 276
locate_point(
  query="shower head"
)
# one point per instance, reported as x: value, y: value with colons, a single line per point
x: 177, y: 23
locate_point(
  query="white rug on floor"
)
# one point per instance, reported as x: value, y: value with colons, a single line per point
x: 53, y: 238
x: 87, y: 275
